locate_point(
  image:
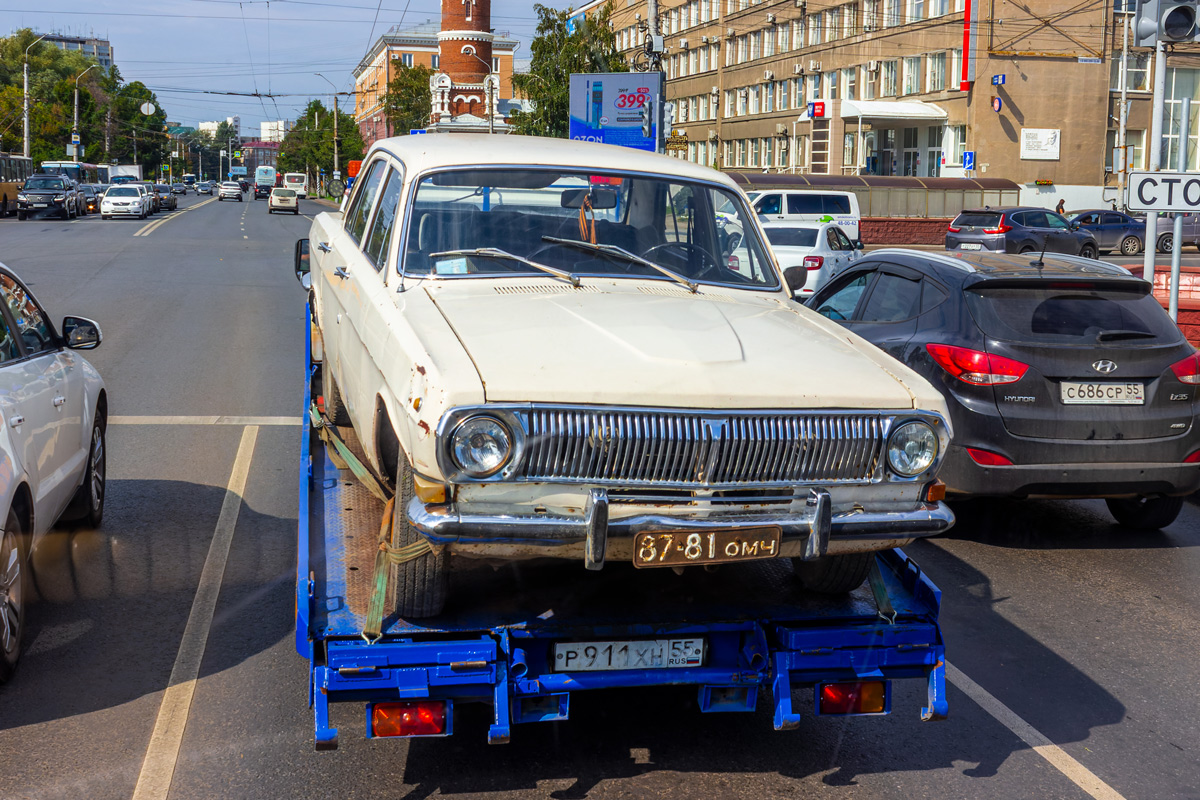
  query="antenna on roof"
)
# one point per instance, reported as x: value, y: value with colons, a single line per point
x: 1039, y: 263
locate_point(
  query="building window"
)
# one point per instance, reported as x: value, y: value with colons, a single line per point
x: 1137, y: 72
x: 768, y: 97
x: 869, y: 78
x: 831, y: 24
x: 783, y: 89
x: 436, y: 60
x: 768, y: 153
x: 935, y: 72
x: 849, y: 144
x: 753, y: 153
x: 954, y: 76
x: 912, y: 75
x: 849, y: 83
x: 799, y: 93
x: 406, y: 59
x: 831, y: 84
x: 741, y: 152
x: 754, y: 100
x: 933, y: 150
x: 916, y: 10
x: 814, y: 86
x: 741, y: 102
x: 938, y: 8
x: 891, y: 13
x: 849, y: 20
x: 870, y: 15
x: 887, y: 86
x: 814, y: 29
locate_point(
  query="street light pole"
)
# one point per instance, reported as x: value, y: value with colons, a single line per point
x: 26, y: 112
x: 468, y: 50
x: 336, y: 166
x: 75, y: 123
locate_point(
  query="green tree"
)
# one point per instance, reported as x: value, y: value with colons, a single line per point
x: 308, y: 147
x: 408, y: 99
x: 555, y: 54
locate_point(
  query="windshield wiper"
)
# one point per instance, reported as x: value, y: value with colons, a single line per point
x: 1108, y: 336
x: 495, y: 252
x: 622, y: 253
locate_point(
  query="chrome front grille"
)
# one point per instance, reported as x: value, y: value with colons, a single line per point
x: 701, y: 449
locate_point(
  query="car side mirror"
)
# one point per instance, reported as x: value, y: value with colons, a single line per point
x: 796, y: 277
x: 1074, y: 226
x: 302, y: 273
x: 858, y: 244
x: 81, y: 333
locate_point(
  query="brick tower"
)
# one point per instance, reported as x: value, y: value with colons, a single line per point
x: 465, y: 85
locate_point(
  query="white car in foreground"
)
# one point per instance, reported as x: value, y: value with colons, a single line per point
x: 545, y: 346
x: 822, y: 249
x: 124, y: 201
x: 283, y: 200
x: 54, y: 411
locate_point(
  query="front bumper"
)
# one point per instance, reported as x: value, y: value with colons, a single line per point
x: 814, y: 532
x: 121, y: 211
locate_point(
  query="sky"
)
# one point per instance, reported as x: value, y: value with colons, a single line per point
x: 186, y: 51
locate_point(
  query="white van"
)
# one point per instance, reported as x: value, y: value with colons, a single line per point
x: 818, y: 205
x: 297, y: 181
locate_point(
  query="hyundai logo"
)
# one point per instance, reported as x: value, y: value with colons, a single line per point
x: 1104, y: 366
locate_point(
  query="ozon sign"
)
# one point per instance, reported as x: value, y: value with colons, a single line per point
x: 1164, y: 191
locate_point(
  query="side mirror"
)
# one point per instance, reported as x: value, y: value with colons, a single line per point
x: 858, y: 244
x: 302, y: 273
x: 796, y: 277
x: 1074, y: 226
x: 81, y: 333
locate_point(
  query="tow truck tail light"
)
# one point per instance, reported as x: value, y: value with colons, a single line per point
x: 415, y: 718
x: 986, y: 458
x: 1001, y: 227
x: 854, y: 697
x: 975, y: 367
x: 1188, y: 370
x: 813, y: 262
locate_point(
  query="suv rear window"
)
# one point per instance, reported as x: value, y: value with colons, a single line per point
x: 1088, y: 315
x: 977, y: 219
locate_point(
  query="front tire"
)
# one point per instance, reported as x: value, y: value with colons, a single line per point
x: 1166, y: 243
x: 1087, y: 251
x: 20, y: 216
x: 833, y: 574
x: 88, y: 502
x: 335, y: 406
x: 12, y: 595
x: 1130, y: 246
x: 418, y: 587
x: 1145, y: 513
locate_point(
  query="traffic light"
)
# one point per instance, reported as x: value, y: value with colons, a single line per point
x: 648, y: 118
x: 1165, y: 21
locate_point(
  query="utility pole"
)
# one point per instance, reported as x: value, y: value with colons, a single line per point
x: 26, y: 113
x: 1121, y: 173
x: 336, y: 166
x: 1156, y: 126
x: 75, y: 122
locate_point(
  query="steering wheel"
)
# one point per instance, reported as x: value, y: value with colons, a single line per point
x: 689, y: 249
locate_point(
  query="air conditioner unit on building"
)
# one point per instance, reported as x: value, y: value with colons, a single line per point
x: 797, y: 69
x: 638, y: 16
x: 716, y: 90
x: 768, y: 75
x: 683, y: 44
x: 729, y: 33
x: 712, y: 134
x: 872, y: 66
x: 770, y: 18
x: 801, y: 5
x: 780, y: 129
x: 814, y: 66
x: 703, y: 40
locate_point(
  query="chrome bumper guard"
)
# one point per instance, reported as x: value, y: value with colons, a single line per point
x: 816, y: 523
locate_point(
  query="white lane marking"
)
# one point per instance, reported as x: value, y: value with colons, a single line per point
x: 1078, y: 774
x: 154, y: 781
x: 153, y: 226
x: 216, y: 420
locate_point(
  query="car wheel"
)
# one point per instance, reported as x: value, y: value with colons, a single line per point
x: 296, y: 212
x: 12, y: 594
x: 1130, y: 246
x: 335, y: 406
x: 20, y: 215
x: 418, y: 586
x: 1088, y: 251
x: 1166, y: 243
x: 1025, y: 249
x: 88, y: 502
x: 1145, y: 513
x: 833, y: 574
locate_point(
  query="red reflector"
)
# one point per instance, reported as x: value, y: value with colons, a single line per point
x: 1001, y: 228
x: 813, y: 262
x: 858, y: 697
x: 418, y: 718
x: 986, y: 458
x: 975, y: 367
x: 953, y: 229
x: 1194, y: 458
x: 1188, y: 370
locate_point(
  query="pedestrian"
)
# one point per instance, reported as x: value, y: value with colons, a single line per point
x: 1058, y: 209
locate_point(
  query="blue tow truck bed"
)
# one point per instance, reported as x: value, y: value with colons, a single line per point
x: 525, y: 636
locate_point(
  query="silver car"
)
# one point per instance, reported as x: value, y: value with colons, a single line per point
x: 1020, y: 229
x: 231, y: 190
x: 822, y: 248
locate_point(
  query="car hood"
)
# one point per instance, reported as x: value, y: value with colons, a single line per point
x: 650, y: 343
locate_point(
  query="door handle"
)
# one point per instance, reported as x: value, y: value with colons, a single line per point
x: 59, y: 402
x: 341, y: 273
x: 324, y: 247
x: 16, y: 420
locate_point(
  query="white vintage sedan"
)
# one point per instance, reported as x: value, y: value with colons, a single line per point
x: 53, y: 414
x: 550, y: 348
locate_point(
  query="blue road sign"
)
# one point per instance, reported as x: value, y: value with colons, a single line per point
x: 997, y: 80
x: 415, y: 131
x: 969, y: 159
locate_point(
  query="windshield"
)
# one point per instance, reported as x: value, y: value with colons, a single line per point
x: 792, y: 237
x: 122, y: 191
x: 599, y: 220
x: 44, y: 183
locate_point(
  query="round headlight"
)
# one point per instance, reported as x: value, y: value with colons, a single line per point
x: 481, y: 446
x: 912, y: 449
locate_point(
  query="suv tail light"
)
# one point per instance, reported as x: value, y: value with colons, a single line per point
x: 986, y: 458
x: 1001, y: 227
x: 975, y: 367
x: 813, y: 262
x: 1188, y: 370
x: 952, y: 229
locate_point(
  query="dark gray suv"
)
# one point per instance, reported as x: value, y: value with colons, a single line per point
x: 1019, y: 229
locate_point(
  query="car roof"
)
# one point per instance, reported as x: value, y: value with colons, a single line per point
x: 434, y: 150
x: 973, y: 266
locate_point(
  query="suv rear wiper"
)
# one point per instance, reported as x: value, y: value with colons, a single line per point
x: 622, y: 253
x: 1108, y: 336
x: 495, y: 252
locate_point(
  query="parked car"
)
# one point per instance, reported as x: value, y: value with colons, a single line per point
x: 711, y: 419
x: 230, y: 190
x: 204, y: 188
x: 810, y: 205
x: 1165, y: 227
x: 46, y: 194
x: 152, y: 195
x: 45, y: 388
x: 179, y: 188
x: 1113, y: 230
x: 1019, y: 229
x: 90, y: 200
x: 283, y: 200
x: 821, y: 249
x: 1064, y: 376
x: 166, y: 198
x: 124, y: 201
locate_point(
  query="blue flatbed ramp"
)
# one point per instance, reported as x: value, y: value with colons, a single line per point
x: 523, y: 636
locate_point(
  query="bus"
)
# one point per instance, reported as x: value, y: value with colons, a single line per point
x: 13, y: 172
x: 77, y: 171
x: 189, y: 179
x: 297, y: 181
x: 264, y: 181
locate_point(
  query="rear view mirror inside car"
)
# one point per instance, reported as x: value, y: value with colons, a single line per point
x: 600, y: 197
x: 302, y: 273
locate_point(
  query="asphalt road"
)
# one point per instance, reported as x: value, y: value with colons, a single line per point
x: 1064, y: 631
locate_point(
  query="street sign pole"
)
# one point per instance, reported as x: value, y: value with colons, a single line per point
x: 1185, y: 131
x: 1156, y: 115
